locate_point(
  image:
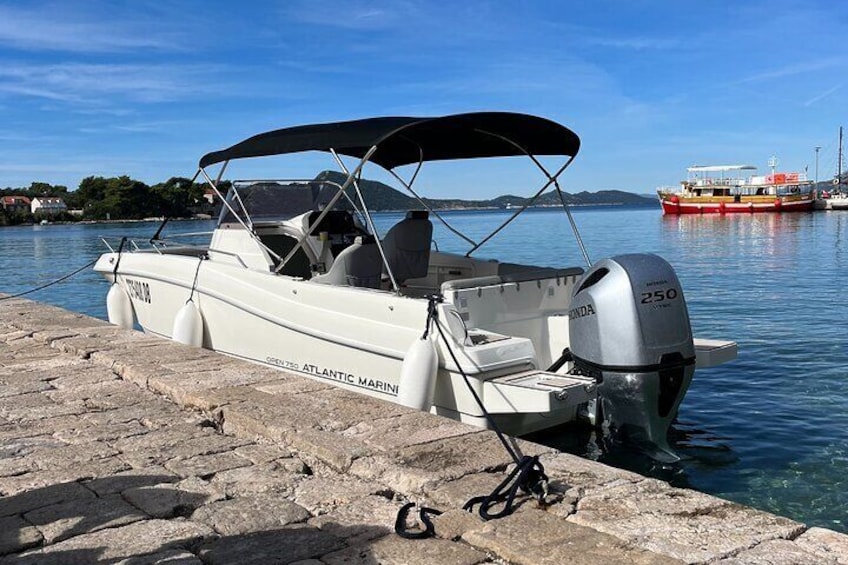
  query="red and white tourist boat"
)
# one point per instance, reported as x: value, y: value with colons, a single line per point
x: 721, y: 189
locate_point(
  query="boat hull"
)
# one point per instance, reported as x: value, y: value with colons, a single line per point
x: 348, y: 337
x: 832, y: 203
x: 678, y: 206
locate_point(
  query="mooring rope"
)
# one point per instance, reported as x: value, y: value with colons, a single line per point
x: 42, y: 287
x: 194, y: 282
x: 528, y: 474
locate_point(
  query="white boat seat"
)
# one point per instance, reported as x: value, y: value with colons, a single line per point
x: 407, y: 246
x: 359, y: 264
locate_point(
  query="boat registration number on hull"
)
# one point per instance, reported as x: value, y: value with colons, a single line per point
x: 139, y: 290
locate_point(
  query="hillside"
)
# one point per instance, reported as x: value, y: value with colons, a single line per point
x: 380, y: 196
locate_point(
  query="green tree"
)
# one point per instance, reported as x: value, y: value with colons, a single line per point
x: 91, y: 190
x: 37, y: 189
x: 175, y: 196
x: 117, y: 198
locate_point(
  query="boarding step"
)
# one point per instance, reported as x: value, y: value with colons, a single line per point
x: 712, y: 352
x: 536, y: 391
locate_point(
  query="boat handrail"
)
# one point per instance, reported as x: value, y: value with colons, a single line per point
x: 137, y: 248
x: 190, y: 234
x: 540, y: 274
x: 229, y: 253
x: 773, y: 178
x: 200, y: 248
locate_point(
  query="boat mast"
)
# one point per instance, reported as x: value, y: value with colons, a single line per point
x: 839, y: 160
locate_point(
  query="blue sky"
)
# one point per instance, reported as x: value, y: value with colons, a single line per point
x: 651, y: 87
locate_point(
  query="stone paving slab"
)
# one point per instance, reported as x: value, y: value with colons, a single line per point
x: 88, y: 433
x: 35, y: 406
x: 34, y: 499
x: 16, y: 534
x: 777, y: 552
x: 249, y: 514
x: 283, y: 545
x: 122, y: 481
x: 393, y: 550
x: 169, y: 557
x: 321, y: 495
x: 536, y: 537
x: 45, y: 427
x: 149, y: 411
x: 420, y: 468
x: 76, y: 373
x: 171, y: 499
x: 406, y: 430
x: 75, y: 517
x: 269, y: 479
x: 359, y: 521
x: 826, y: 544
x: 139, y: 538
x: 238, y: 463
x: 60, y: 475
x: 685, y: 524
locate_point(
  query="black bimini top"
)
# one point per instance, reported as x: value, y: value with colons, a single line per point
x: 403, y: 141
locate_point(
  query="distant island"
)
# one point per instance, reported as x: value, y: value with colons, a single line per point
x: 382, y: 197
x: 124, y: 198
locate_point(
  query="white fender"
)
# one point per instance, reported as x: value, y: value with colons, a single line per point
x: 119, y: 308
x: 418, y: 375
x: 188, y: 325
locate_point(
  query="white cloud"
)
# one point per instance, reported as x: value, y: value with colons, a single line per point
x: 356, y: 15
x: 83, y: 83
x: 823, y: 95
x: 795, y: 69
x: 53, y: 28
x: 635, y: 43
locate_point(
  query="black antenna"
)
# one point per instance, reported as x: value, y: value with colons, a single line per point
x: 159, y: 231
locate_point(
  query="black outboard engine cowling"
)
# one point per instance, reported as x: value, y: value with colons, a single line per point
x: 629, y: 328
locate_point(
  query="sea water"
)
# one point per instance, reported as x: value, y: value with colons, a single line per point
x: 769, y: 430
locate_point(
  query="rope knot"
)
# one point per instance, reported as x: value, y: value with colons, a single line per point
x: 528, y: 475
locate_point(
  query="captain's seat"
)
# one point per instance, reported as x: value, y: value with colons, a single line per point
x: 359, y: 264
x: 407, y: 246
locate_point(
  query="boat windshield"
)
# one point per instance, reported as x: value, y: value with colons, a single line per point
x: 274, y: 201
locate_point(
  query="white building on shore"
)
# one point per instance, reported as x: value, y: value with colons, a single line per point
x: 48, y: 205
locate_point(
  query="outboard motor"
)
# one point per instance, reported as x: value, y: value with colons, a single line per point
x: 629, y: 328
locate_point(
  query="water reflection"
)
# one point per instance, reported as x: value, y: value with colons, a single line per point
x: 760, y: 235
x: 839, y: 239
x: 698, y: 449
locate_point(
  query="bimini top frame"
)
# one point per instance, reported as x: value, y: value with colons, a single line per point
x: 396, y: 141
x: 404, y: 141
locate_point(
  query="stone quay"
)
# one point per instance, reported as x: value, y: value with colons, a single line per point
x: 118, y: 447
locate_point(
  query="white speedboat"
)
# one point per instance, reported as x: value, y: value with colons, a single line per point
x: 832, y: 201
x: 296, y: 276
x: 837, y: 199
